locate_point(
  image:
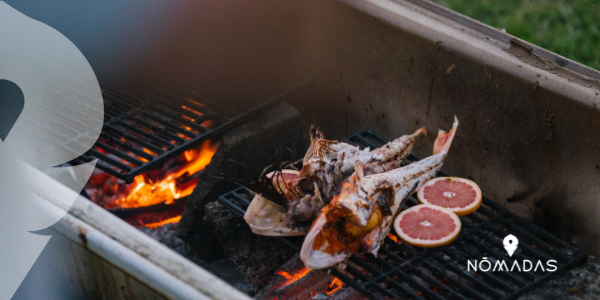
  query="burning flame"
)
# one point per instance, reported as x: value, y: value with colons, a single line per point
x: 295, y: 277
x: 336, y: 282
x: 146, y: 192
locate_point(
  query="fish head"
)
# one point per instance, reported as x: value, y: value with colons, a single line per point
x: 322, y: 247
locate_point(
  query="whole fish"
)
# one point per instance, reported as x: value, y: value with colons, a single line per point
x: 361, y: 215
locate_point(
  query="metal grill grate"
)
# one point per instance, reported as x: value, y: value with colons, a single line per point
x: 401, y: 271
x: 142, y: 130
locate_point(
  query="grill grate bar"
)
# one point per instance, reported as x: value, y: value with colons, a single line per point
x: 406, y: 278
x: 159, y: 126
x: 495, y: 281
x: 444, y: 275
x: 536, y: 241
x: 516, y: 280
x: 456, y: 270
x: 232, y: 206
x: 440, y: 268
x: 351, y: 282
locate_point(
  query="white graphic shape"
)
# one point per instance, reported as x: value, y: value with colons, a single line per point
x: 61, y: 119
x: 510, y: 244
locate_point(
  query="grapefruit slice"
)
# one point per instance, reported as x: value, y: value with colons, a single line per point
x: 461, y: 196
x: 427, y: 225
x: 286, y: 178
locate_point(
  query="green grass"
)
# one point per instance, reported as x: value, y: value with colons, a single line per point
x: 570, y: 28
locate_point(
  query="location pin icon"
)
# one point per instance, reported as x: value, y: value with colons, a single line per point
x: 510, y: 244
x: 12, y: 102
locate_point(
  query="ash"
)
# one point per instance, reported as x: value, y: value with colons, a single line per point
x: 582, y: 282
x: 222, y: 268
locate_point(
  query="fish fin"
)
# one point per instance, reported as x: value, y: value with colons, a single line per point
x: 422, y: 130
x: 315, y: 135
x: 444, y: 139
x: 359, y: 168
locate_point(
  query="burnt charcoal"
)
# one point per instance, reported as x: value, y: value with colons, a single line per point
x: 226, y: 271
x: 312, y: 284
x: 581, y: 282
x: 222, y: 267
x: 166, y: 235
x: 254, y: 144
x: 293, y: 265
x: 346, y: 293
x: 256, y: 257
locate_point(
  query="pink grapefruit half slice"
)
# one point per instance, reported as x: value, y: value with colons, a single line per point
x: 461, y: 196
x: 286, y: 178
x: 428, y: 226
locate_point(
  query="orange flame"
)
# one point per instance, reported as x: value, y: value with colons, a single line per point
x: 295, y: 277
x: 201, y: 159
x: 336, y: 282
x: 163, y: 222
x: 147, y: 193
x: 394, y: 238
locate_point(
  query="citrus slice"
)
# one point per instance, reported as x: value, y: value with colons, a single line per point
x: 287, y: 178
x: 428, y: 226
x: 461, y: 196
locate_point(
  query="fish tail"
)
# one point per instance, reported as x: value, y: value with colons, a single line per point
x: 315, y: 135
x: 444, y: 139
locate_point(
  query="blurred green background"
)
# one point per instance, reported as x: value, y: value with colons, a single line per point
x: 570, y: 28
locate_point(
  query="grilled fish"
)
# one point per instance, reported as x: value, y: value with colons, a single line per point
x: 361, y: 215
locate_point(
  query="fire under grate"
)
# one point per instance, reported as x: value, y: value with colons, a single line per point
x: 142, y: 130
x: 401, y: 271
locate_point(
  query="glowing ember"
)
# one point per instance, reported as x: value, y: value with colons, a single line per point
x: 163, y: 222
x: 336, y: 284
x: 295, y: 277
x: 394, y: 238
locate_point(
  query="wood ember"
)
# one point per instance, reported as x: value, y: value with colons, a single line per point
x: 256, y: 257
x: 221, y: 267
x: 314, y: 284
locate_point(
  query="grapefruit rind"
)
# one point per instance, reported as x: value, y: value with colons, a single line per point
x: 284, y: 172
x: 427, y: 243
x: 460, y: 211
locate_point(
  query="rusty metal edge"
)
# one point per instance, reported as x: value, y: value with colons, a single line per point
x: 486, y: 44
x: 120, y: 257
x: 124, y: 246
x: 491, y: 31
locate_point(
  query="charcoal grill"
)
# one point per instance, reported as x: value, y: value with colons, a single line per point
x: 143, y: 129
x: 400, y: 270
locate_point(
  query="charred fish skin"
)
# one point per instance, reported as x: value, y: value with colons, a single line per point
x: 392, y: 154
x: 330, y: 163
x: 354, y: 220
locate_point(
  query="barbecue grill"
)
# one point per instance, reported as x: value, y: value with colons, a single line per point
x: 441, y: 272
x: 527, y: 119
